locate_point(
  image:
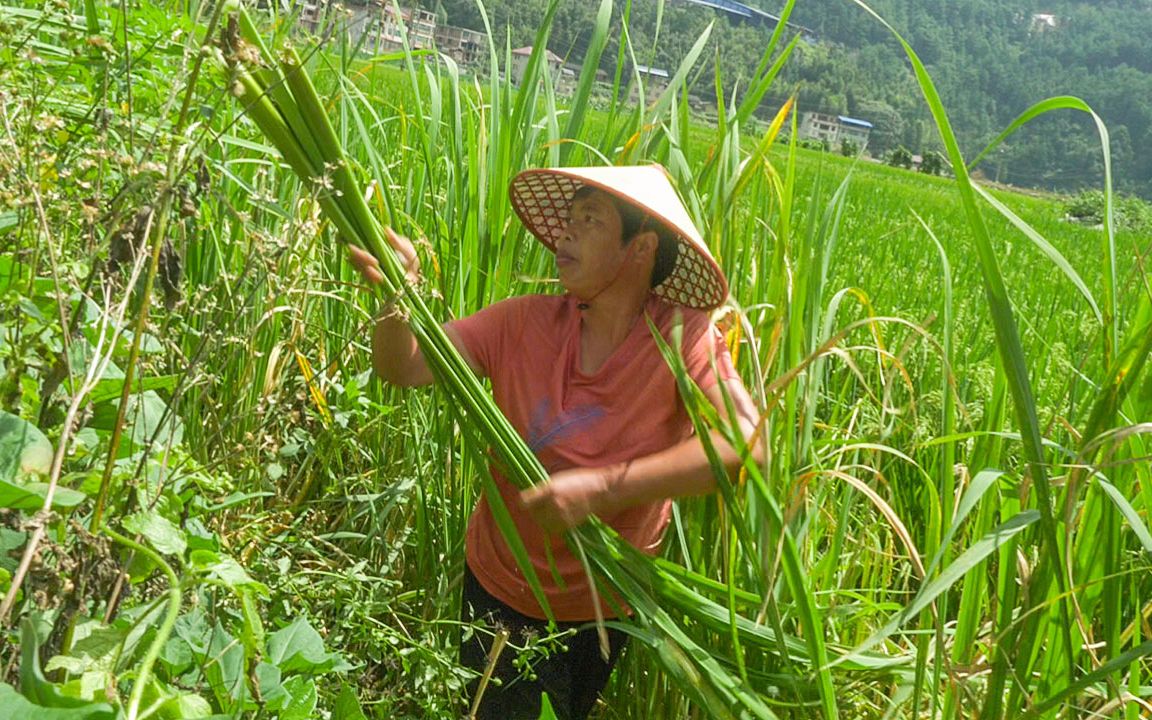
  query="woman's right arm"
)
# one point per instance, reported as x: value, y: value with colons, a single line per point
x: 396, y: 357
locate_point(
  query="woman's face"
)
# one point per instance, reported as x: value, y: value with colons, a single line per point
x: 590, y: 252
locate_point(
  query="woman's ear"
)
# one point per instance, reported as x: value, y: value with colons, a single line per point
x: 645, y: 243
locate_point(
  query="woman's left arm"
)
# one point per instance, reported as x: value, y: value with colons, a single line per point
x: 570, y: 496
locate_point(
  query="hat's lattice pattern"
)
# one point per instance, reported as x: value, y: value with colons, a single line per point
x: 692, y: 282
x: 542, y: 201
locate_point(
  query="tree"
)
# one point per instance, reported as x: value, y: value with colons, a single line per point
x: 933, y: 163
x: 887, y: 124
x: 900, y: 157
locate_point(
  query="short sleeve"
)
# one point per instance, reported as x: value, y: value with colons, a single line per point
x: 703, y: 344
x: 485, y: 333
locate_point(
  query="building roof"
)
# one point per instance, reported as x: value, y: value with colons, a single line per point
x: 845, y: 120
x: 526, y: 51
x: 654, y: 72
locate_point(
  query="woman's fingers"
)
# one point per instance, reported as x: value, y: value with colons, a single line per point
x: 405, y: 250
x: 367, y: 265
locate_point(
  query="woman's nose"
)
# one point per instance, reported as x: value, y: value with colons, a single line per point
x: 565, y: 231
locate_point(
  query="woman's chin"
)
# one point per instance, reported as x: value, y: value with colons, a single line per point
x: 566, y: 281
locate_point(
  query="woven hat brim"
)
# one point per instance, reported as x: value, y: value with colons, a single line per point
x: 541, y: 198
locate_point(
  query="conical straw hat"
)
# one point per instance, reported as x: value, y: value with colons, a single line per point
x: 541, y: 198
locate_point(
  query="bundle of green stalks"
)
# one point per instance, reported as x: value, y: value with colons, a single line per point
x: 957, y: 482
x: 279, y: 97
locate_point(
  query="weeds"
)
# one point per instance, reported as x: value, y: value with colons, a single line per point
x: 205, y: 493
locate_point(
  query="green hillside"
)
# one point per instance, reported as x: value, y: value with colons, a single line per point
x: 212, y: 506
x: 991, y: 61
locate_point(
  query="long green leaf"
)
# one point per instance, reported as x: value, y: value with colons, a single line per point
x: 967, y: 560
x: 1011, y: 355
x: 1045, y: 247
x: 1111, y: 317
x: 1128, y: 512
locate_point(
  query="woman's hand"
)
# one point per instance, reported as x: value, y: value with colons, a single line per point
x: 369, y: 267
x: 569, y: 497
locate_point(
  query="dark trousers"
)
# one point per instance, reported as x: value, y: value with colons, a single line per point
x: 572, y: 679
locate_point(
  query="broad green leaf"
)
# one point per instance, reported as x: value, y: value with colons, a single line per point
x: 69, y: 664
x: 82, y: 354
x: 24, y: 450
x: 302, y: 706
x: 8, y: 221
x: 12, y: 272
x: 111, y: 388
x: 37, y: 692
x: 176, y: 656
x: 159, y: 530
x: 90, y: 686
x: 224, y: 667
x: 97, y: 639
x: 224, y: 570
x: 149, y: 344
x: 97, y: 651
x: 148, y: 418
x: 10, y: 540
x: 347, y: 705
x: 31, y: 496
x: 186, y: 707
x: 14, y: 706
x: 299, y: 648
x: 269, y: 680
x: 193, y: 628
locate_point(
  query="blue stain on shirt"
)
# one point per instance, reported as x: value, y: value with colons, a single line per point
x: 547, y: 427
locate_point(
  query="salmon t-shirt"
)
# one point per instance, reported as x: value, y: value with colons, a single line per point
x: 529, y: 347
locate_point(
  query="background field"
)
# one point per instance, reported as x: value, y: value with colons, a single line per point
x: 292, y: 529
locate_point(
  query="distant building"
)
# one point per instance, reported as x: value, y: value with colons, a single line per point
x: 655, y: 81
x: 311, y: 13
x: 420, y: 26
x: 834, y: 129
x: 853, y: 130
x: 520, y: 58
x: 1043, y: 22
x: 373, y: 25
x: 361, y: 22
x: 352, y: 16
x: 465, y: 46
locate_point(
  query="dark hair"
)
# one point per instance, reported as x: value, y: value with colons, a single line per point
x: 634, y: 221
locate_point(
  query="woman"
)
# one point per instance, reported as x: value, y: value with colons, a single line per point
x: 581, y: 378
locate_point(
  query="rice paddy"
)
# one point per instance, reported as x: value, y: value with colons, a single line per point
x: 951, y: 520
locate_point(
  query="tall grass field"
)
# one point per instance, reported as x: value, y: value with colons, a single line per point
x: 209, y: 507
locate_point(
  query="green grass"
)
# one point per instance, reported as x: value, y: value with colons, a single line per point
x: 887, y: 559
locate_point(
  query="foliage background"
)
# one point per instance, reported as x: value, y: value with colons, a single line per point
x: 988, y: 58
x: 296, y: 506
